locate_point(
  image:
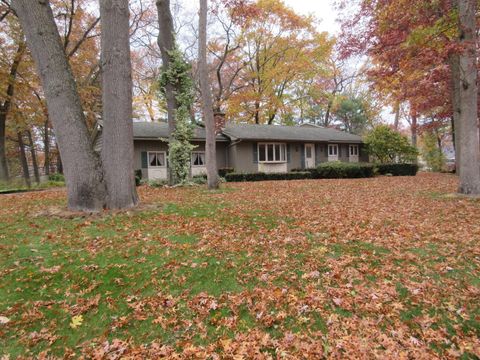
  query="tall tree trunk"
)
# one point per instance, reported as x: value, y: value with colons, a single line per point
x: 326, y: 121
x: 59, y: 160
x: 257, y: 112
x: 207, y: 103
x: 454, y: 60
x: 46, y: 146
x: 414, y: 130
x: 4, y: 175
x: 166, y: 43
x: 33, y: 154
x: 5, y: 108
x: 397, y: 115
x: 82, y: 166
x: 469, y: 140
x: 23, y: 159
x: 117, y: 147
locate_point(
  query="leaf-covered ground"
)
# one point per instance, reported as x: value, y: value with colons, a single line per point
x: 384, y: 267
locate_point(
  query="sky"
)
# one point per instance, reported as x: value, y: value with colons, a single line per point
x: 321, y: 9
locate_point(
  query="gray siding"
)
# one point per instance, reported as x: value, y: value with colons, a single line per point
x: 295, y: 156
x: 343, y: 152
x: 145, y: 145
x: 363, y: 154
x: 321, y: 155
x: 241, y: 157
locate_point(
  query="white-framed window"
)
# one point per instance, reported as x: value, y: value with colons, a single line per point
x: 272, y: 153
x: 332, y: 150
x: 353, y: 150
x: 198, y: 158
x: 156, y: 159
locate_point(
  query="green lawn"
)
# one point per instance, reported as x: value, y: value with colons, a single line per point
x: 384, y: 267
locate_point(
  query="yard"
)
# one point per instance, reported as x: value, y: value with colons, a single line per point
x: 386, y: 267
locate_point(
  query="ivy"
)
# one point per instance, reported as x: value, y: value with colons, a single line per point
x: 179, y: 146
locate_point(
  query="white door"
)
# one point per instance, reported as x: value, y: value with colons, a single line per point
x: 309, y: 156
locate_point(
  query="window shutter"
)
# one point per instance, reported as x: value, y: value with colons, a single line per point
x: 255, y: 153
x: 288, y: 153
x: 302, y: 156
x: 144, y: 160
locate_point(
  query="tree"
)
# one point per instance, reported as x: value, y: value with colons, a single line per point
x: 388, y: 146
x: 207, y: 103
x: 469, y: 164
x: 275, y: 50
x: 166, y: 43
x: 89, y: 183
x: 6, y: 106
x: 117, y: 147
x: 352, y: 113
x: 431, y: 152
x: 82, y: 167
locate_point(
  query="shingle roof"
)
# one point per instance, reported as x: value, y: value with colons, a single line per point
x: 151, y: 130
x: 288, y: 133
x: 155, y: 130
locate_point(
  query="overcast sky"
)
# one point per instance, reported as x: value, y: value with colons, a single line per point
x: 321, y: 9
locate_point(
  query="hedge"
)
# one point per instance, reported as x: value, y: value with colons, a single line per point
x: 397, y: 169
x: 339, y: 170
x: 234, y: 177
x: 324, y: 171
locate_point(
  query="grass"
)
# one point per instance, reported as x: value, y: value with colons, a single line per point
x: 325, y: 268
x: 20, y: 186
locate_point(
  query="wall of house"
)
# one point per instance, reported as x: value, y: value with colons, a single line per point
x: 343, y: 152
x: 321, y: 154
x: 364, y: 157
x: 241, y: 157
x: 156, y: 145
x: 296, y: 155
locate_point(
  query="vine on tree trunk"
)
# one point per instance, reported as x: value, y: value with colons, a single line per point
x: 179, y: 146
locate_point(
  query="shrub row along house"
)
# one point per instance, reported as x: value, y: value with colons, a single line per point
x: 248, y: 148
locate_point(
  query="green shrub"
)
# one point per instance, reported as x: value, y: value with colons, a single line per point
x: 397, y: 169
x: 56, y: 177
x: 339, y: 170
x: 199, y: 179
x: 224, y: 171
x: 138, y: 177
x: 157, y: 183
x: 233, y: 177
x: 386, y: 145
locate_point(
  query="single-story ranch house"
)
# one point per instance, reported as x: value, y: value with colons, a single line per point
x: 249, y: 148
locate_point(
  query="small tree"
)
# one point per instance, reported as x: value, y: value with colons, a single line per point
x: 431, y: 153
x: 388, y: 146
x: 179, y: 146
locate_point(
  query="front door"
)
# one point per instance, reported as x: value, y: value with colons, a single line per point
x: 309, y: 156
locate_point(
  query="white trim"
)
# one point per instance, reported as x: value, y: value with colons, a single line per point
x: 353, y: 155
x: 309, y: 162
x: 156, y: 152
x: 334, y: 155
x: 204, y: 159
x: 282, y: 145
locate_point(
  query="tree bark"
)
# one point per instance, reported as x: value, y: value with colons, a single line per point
x: 413, y: 128
x: 82, y: 167
x: 117, y: 147
x: 397, y: 115
x: 454, y: 60
x: 5, y: 108
x: 23, y: 159
x: 469, y: 140
x: 166, y: 43
x: 207, y: 103
x: 33, y: 154
x: 46, y: 146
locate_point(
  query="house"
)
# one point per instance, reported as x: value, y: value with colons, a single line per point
x: 249, y: 148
